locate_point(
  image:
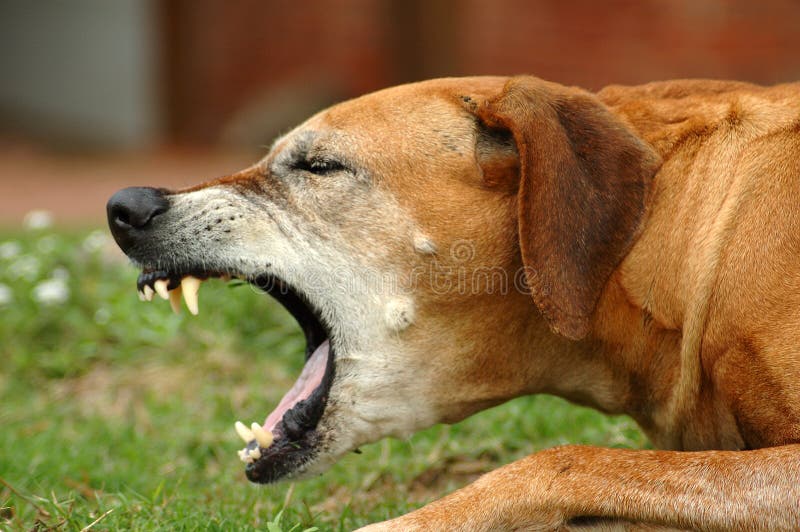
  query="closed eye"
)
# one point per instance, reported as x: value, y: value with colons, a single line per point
x: 319, y: 166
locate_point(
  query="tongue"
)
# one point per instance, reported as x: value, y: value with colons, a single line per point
x: 309, y: 379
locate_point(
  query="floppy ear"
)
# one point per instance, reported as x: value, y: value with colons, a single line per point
x: 584, y: 180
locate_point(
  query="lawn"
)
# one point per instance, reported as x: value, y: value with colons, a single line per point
x: 117, y: 414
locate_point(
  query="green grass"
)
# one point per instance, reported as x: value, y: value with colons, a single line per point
x: 116, y: 414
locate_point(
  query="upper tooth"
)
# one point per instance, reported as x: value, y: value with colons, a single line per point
x: 175, y: 300
x: 148, y: 292
x: 263, y: 437
x: 141, y: 295
x: 161, y: 288
x: 243, y: 432
x: 190, y: 286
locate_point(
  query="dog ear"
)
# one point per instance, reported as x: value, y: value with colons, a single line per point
x: 583, y: 186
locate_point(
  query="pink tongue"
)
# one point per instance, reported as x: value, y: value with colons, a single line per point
x: 309, y: 379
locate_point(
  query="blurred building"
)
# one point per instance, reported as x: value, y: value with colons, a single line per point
x: 131, y: 73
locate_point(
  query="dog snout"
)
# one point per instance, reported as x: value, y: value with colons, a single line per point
x: 132, y: 210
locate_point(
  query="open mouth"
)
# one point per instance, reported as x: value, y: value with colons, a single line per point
x: 288, y: 439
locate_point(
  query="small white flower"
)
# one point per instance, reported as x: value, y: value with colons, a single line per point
x: 47, y: 244
x: 10, y: 249
x: 25, y: 267
x: 51, y: 292
x: 95, y: 241
x: 38, y: 219
x: 6, y: 296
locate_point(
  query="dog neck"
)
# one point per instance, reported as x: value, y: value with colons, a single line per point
x: 629, y: 363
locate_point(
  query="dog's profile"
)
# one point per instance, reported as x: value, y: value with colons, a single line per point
x: 636, y: 250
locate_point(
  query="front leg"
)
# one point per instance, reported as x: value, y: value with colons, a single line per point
x: 580, y: 486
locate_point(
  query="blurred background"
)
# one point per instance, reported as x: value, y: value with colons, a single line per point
x: 107, y: 409
x: 97, y: 94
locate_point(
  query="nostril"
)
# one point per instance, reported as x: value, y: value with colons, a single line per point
x: 120, y: 216
x: 134, y: 208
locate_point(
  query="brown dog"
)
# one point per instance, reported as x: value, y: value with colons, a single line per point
x: 452, y: 244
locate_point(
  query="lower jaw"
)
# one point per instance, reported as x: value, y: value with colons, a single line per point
x: 296, y: 438
x: 285, y: 459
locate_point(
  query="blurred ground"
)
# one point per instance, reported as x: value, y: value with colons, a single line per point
x: 75, y: 188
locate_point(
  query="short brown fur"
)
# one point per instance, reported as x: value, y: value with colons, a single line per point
x: 660, y: 229
x: 687, y: 310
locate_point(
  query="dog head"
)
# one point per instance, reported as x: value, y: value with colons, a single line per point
x: 433, y: 240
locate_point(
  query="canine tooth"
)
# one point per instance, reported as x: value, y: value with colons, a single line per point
x: 255, y: 454
x: 263, y: 437
x: 243, y: 432
x: 148, y: 292
x: 190, y: 286
x: 161, y: 288
x: 141, y: 295
x: 175, y: 300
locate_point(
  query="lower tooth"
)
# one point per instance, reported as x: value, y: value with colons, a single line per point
x: 243, y: 432
x: 255, y: 454
x: 263, y: 437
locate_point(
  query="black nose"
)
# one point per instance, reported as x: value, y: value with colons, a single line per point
x: 130, y: 211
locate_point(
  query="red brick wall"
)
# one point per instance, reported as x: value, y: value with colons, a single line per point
x: 219, y: 55
x: 594, y: 43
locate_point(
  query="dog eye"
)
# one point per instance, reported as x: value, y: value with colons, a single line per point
x: 325, y: 167
x: 320, y: 166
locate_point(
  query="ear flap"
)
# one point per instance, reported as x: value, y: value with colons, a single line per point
x: 584, y: 180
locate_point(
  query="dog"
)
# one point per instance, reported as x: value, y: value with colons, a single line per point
x: 452, y: 244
